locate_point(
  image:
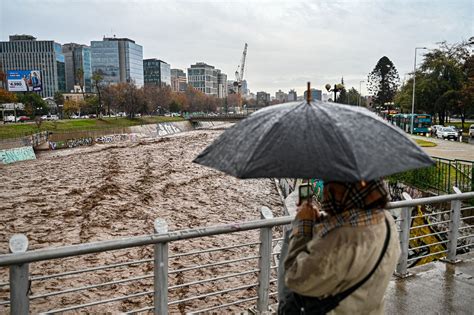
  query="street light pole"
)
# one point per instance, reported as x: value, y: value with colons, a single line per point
x: 360, y: 92
x: 413, y: 96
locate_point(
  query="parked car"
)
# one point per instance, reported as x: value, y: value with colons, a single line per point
x: 459, y: 131
x: 434, y: 129
x: 50, y: 117
x: 74, y: 116
x: 9, y: 119
x: 471, y: 131
x: 447, y: 133
x: 23, y: 118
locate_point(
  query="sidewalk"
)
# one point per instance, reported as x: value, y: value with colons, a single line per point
x: 435, y: 288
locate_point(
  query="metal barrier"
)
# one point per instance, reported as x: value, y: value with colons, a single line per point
x: 259, y: 277
x: 442, y: 176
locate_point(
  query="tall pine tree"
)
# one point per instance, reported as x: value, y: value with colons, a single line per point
x: 383, y: 82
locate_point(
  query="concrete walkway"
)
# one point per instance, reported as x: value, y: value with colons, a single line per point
x: 435, y: 288
x: 449, y: 149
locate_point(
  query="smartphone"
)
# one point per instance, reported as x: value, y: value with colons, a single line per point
x: 305, y: 193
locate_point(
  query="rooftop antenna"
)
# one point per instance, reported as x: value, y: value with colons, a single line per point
x: 308, y: 93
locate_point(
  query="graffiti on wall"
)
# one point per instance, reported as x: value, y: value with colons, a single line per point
x: 116, y: 138
x: 70, y: 143
x: 164, y: 129
x: 17, y: 154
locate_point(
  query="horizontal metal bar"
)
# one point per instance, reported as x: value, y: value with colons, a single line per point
x: 92, y: 286
x: 223, y: 305
x: 464, y: 237
x: 101, y: 246
x: 149, y: 308
x: 429, y: 224
x: 274, y: 267
x: 7, y: 302
x: 4, y: 284
x: 98, y: 302
x: 466, y: 227
x: 428, y: 255
x: 431, y: 214
x: 467, y: 245
x: 213, y: 250
x: 276, y: 253
x: 213, y: 293
x: 272, y: 293
x: 94, y: 247
x: 277, y: 239
x: 466, y: 218
x: 467, y: 208
x: 213, y: 279
x: 429, y: 245
x: 431, y: 234
x: 224, y: 262
x: 74, y: 272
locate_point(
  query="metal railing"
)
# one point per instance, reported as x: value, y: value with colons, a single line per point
x: 253, y: 261
x: 442, y: 176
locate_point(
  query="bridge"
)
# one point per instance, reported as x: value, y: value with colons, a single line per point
x: 193, y: 118
x: 443, y: 288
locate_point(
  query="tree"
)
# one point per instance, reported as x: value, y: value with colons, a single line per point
x: 7, y: 97
x: 71, y: 107
x: 98, y: 79
x: 59, y: 98
x: 34, y: 104
x: 383, y: 82
x: 354, y: 98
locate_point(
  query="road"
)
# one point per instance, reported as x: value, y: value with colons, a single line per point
x: 449, y: 149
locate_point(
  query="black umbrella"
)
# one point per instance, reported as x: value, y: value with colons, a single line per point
x: 320, y: 140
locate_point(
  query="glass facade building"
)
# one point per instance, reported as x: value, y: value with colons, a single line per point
x: 24, y: 52
x: 156, y: 72
x: 178, y: 80
x: 118, y: 60
x: 77, y: 57
x: 205, y: 78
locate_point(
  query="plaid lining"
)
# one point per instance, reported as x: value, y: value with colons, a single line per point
x: 346, y: 204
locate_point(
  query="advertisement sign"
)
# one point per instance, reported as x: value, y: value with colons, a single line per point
x: 24, y: 81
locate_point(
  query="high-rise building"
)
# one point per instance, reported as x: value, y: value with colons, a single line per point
x: 78, y: 58
x: 118, y: 60
x: 316, y: 94
x: 221, y: 85
x: 244, y: 88
x: 24, y: 52
x: 281, y: 96
x: 178, y: 80
x: 292, y: 96
x: 205, y: 78
x: 263, y: 99
x: 156, y: 72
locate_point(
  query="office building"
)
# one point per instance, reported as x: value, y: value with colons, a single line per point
x: 263, y: 99
x: 316, y: 95
x: 292, y: 97
x: 221, y: 85
x: 281, y: 96
x: 178, y: 80
x: 118, y: 60
x: 205, y: 78
x: 78, y: 64
x: 25, y: 53
x: 156, y: 72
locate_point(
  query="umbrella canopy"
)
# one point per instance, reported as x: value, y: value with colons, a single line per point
x: 320, y: 140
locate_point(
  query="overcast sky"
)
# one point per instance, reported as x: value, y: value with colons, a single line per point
x: 290, y: 42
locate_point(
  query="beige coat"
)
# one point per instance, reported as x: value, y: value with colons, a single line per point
x: 322, y: 267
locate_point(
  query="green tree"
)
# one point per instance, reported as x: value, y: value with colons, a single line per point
x: 34, y: 104
x: 383, y: 82
x: 98, y: 81
x: 7, y: 97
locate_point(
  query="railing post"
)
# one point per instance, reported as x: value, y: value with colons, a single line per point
x: 402, y: 267
x: 454, y: 223
x: 19, y: 278
x: 160, y: 268
x: 264, y: 263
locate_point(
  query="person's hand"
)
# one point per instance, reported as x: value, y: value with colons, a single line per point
x: 306, y: 216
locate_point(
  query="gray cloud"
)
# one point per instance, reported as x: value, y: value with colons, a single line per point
x: 290, y: 42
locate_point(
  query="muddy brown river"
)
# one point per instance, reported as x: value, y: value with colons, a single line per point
x: 113, y: 191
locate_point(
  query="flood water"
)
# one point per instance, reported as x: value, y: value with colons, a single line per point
x: 117, y: 190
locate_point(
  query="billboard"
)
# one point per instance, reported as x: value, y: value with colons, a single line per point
x: 24, y: 81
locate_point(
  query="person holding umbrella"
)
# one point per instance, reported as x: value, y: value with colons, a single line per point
x: 341, y: 260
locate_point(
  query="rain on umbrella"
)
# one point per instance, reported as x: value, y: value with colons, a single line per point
x: 315, y: 139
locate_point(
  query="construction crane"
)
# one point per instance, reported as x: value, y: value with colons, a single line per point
x: 239, y: 74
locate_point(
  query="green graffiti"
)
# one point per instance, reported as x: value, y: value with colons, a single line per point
x: 17, y: 154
